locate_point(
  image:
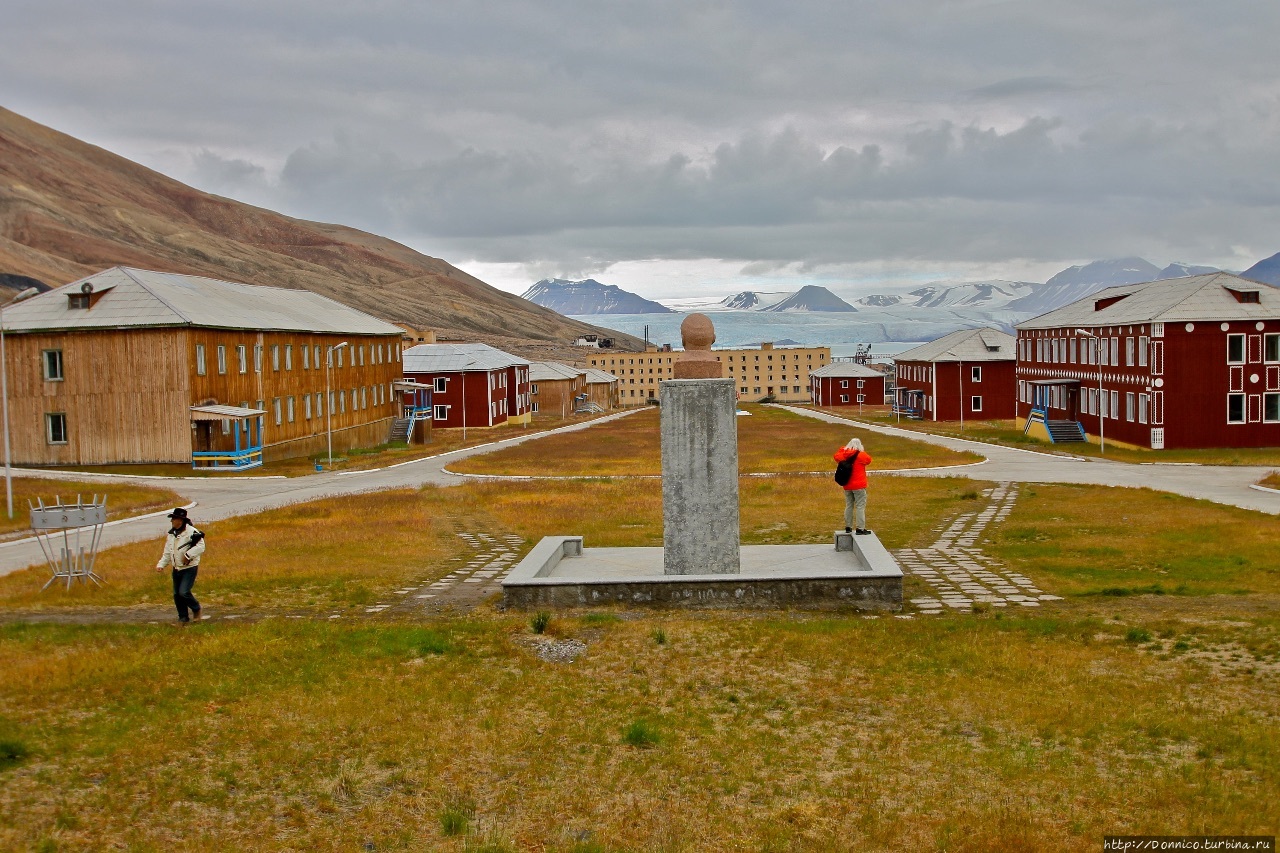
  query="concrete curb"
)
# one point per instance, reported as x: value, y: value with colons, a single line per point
x: 886, y: 471
x: 155, y: 514
x: 1264, y: 488
x: 73, y: 475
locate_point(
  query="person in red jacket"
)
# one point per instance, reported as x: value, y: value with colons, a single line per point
x: 855, y: 491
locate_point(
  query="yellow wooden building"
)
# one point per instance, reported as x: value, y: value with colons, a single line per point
x: 133, y: 366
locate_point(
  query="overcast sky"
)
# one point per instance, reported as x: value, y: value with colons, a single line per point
x: 686, y: 147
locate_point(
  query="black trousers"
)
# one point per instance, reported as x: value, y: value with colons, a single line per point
x: 183, y: 580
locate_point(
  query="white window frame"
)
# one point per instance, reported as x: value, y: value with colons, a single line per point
x: 306, y: 406
x: 242, y: 358
x: 306, y: 357
x: 288, y: 356
x: 975, y: 404
x: 277, y: 410
x: 201, y: 366
x: 289, y: 409
x: 50, y: 419
x: 222, y: 360
x: 1243, y: 348
x: 440, y: 412
x: 975, y: 373
x: 1268, y: 397
x: 1271, y: 341
x: 275, y: 357
x: 1244, y: 410
x: 45, y: 362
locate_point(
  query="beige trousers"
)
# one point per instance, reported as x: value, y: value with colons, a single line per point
x: 855, y: 500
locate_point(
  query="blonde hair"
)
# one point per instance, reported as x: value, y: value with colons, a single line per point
x: 854, y: 444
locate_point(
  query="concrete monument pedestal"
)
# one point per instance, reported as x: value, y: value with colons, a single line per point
x: 701, y: 563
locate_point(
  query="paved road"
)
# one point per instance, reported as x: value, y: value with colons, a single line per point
x: 1218, y: 483
x: 223, y: 498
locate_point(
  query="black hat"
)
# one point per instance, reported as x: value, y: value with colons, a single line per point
x: 178, y: 512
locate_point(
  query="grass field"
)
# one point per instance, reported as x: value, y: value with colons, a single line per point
x: 769, y: 440
x: 1023, y: 733
x: 123, y: 500
x: 1271, y: 481
x: 318, y: 556
x: 1003, y: 433
x: 1145, y: 702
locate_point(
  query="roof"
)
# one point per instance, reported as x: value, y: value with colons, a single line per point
x: 551, y: 371
x: 223, y: 413
x: 134, y: 298
x: 847, y: 370
x: 457, y: 358
x: 1172, y: 300
x: 984, y: 344
x: 596, y: 377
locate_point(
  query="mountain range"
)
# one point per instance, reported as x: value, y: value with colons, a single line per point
x: 69, y: 209
x: 589, y: 296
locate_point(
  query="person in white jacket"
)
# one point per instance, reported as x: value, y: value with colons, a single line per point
x: 182, y: 549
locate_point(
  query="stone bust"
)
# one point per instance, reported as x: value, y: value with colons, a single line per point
x: 697, y: 334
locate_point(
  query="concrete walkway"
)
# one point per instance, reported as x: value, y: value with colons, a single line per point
x: 219, y: 499
x: 1222, y: 484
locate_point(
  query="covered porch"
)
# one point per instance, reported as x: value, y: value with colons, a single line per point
x: 226, y: 438
x: 1048, y: 395
x: 908, y: 402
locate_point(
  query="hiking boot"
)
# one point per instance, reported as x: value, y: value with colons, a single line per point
x: 861, y: 532
x: 848, y: 530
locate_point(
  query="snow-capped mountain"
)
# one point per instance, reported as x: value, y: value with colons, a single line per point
x: 753, y: 300
x: 1176, y: 270
x: 811, y: 297
x: 589, y: 297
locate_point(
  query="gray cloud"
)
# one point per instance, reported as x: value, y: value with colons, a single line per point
x: 569, y: 135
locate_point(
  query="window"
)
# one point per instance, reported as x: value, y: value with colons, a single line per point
x: 306, y: 358
x: 844, y: 383
x: 275, y: 356
x: 340, y: 353
x: 306, y: 405
x: 533, y: 388
x: 200, y: 366
x: 975, y: 374
x: 844, y: 398
x: 52, y: 360
x: 275, y: 408
x: 975, y: 404
x: 320, y: 404
x: 862, y: 398
x: 288, y: 357
x: 1235, y: 349
x: 316, y: 358
x: 862, y: 382
x: 77, y: 300
x: 1129, y: 406
x: 1115, y: 352
x: 1271, y: 347
x: 56, y: 427
x: 289, y: 408
x: 1235, y: 408
x: 1144, y: 403
x: 1128, y: 352
x: 222, y: 359
x: 1071, y: 356
x: 535, y: 407
x: 1115, y: 405
x: 1144, y: 344
x: 342, y: 401
x: 242, y: 358
x: 442, y: 413
x: 364, y: 398
x: 257, y: 358
x: 1271, y: 408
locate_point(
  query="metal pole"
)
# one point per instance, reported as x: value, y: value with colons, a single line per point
x: 962, y: 395
x: 328, y: 405
x: 464, y: 404
x: 4, y: 392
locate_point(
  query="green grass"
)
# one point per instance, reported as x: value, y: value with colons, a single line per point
x: 1093, y: 540
x: 774, y: 732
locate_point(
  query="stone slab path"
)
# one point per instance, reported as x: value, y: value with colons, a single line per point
x: 959, y: 573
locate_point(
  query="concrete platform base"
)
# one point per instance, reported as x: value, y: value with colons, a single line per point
x: 858, y: 572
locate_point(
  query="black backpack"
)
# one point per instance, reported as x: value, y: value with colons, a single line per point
x: 844, y: 470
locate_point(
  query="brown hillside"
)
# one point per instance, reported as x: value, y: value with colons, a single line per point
x: 69, y: 209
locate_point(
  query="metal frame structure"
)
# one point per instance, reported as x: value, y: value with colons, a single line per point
x: 71, y: 561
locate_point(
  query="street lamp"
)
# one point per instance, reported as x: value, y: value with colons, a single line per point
x: 328, y: 398
x: 1102, y: 420
x: 4, y: 392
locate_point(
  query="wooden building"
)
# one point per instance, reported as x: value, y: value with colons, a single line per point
x: 556, y: 390
x: 765, y: 371
x: 602, y: 389
x: 473, y: 385
x: 133, y: 366
x: 847, y: 383
x: 1182, y: 362
x: 967, y: 374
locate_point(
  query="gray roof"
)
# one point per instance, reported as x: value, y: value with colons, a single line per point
x: 223, y: 413
x: 847, y: 370
x: 965, y: 345
x: 550, y: 371
x: 1172, y: 300
x: 595, y: 376
x: 134, y: 298
x: 457, y: 358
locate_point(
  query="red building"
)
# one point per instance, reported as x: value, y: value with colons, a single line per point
x: 1184, y: 362
x: 966, y: 374
x: 846, y: 383
x: 472, y: 385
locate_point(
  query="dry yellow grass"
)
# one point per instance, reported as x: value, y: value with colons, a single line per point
x: 769, y: 440
x: 123, y: 500
x: 346, y: 552
x: 773, y: 733
x: 1271, y: 481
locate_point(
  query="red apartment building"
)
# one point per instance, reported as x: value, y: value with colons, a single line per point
x: 846, y: 383
x: 1183, y: 362
x: 966, y: 374
x: 472, y: 385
